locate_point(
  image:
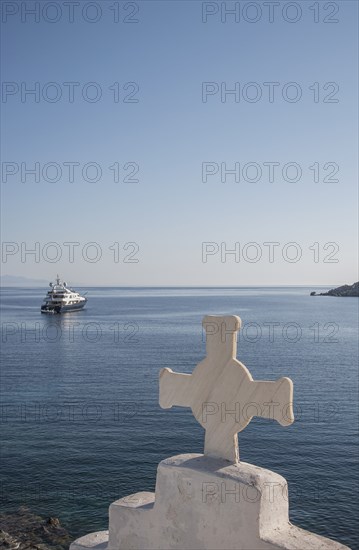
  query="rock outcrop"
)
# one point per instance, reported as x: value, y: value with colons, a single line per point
x: 341, y: 291
x: 24, y: 530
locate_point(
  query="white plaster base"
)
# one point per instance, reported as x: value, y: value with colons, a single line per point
x: 204, y: 503
x: 96, y: 541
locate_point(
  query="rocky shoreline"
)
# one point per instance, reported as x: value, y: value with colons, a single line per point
x: 24, y: 530
x: 341, y: 291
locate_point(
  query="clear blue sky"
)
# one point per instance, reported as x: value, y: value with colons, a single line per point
x: 170, y: 132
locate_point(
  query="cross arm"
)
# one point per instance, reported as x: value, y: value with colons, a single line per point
x: 272, y: 400
x: 175, y: 389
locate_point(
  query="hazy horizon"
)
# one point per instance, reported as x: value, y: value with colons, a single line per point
x: 37, y: 283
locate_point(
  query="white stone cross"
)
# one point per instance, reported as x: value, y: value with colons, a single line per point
x: 222, y: 393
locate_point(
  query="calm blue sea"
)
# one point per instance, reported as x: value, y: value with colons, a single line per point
x: 81, y: 424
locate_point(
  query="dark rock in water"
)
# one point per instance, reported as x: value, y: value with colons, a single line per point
x: 24, y: 530
x: 54, y: 521
x: 341, y: 291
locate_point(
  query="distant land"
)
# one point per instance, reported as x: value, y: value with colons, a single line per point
x: 341, y: 291
x: 18, y: 280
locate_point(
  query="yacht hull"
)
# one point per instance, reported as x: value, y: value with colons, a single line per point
x: 63, y: 309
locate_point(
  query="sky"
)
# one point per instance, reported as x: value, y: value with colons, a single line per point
x: 180, y: 142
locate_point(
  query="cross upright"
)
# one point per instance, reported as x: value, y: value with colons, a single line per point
x: 222, y: 393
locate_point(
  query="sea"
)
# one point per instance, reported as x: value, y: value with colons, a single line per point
x: 80, y: 420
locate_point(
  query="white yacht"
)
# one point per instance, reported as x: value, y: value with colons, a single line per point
x: 60, y: 299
